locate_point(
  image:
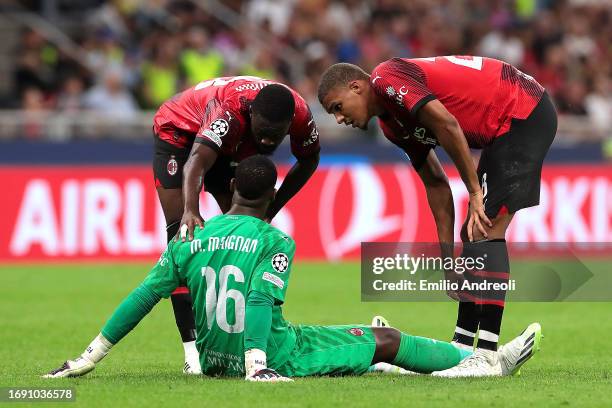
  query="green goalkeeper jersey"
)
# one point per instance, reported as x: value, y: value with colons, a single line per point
x: 231, y: 256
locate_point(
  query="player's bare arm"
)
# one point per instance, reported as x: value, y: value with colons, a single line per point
x: 439, y: 196
x: 440, y: 199
x: 297, y: 177
x: 448, y: 132
x: 201, y: 159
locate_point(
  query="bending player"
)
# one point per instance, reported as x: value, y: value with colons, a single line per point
x: 200, y: 135
x: 238, y: 269
x: 459, y: 102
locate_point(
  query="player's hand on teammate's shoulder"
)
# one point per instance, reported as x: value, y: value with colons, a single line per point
x: 188, y: 223
x: 72, y: 368
x: 267, y: 375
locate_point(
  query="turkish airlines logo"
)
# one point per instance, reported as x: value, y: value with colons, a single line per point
x: 361, y: 204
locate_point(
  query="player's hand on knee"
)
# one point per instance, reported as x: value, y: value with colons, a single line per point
x: 72, y: 368
x: 188, y: 223
x: 267, y: 375
x: 477, y: 217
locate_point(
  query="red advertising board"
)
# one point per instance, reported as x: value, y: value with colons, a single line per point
x: 111, y: 213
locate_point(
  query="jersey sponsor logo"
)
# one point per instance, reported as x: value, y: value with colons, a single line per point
x: 217, y: 363
x: 273, y: 279
x: 356, y: 331
x: 280, y: 262
x: 172, y: 166
x: 420, y: 134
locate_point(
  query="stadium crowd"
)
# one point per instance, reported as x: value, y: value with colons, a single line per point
x: 135, y: 53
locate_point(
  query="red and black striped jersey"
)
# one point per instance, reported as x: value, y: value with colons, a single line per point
x: 217, y: 112
x: 483, y: 94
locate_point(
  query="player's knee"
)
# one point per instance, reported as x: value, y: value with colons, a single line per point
x: 496, y: 231
x: 387, y: 343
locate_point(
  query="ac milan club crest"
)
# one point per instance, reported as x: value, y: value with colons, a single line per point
x: 355, y: 331
x: 172, y: 166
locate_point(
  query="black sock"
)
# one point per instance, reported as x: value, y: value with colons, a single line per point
x: 182, y: 302
x: 183, y: 314
x: 497, y: 270
x: 467, y: 323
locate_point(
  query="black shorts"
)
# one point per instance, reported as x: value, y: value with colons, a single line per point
x: 168, y: 163
x: 510, y: 168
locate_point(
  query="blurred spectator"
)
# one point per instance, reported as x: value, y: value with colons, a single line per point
x: 160, y: 76
x: 34, y: 109
x: 35, y: 64
x: 199, y: 61
x: 157, y: 47
x: 70, y: 97
x: 598, y: 104
x: 571, y: 99
x: 504, y: 45
x: 276, y: 14
x: 111, y: 98
x: 262, y: 66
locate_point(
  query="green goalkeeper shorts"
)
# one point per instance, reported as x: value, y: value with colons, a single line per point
x: 330, y: 350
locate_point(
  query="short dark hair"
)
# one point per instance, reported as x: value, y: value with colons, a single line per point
x: 274, y: 103
x: 255, y: 176
x: 339, y: 74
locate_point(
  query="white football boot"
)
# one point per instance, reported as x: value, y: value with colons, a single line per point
x: 516, y: 352
x: 483, y: 363
x: 379, y: 321
x: 506, y: 361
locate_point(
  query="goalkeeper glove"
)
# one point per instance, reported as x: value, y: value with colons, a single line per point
x: 86, y: 362
x: 256, y: 368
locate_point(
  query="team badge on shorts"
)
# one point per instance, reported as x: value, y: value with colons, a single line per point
x: 219, y: 127
x: 355, y: 331
x: 280, y: 262
x: 172, y: 166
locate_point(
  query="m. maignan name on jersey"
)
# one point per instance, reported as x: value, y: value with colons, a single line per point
x: 230, y: 242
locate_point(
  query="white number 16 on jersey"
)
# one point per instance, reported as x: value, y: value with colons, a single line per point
x: 216, y: 305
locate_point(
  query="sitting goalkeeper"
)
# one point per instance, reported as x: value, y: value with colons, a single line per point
x: 237, y: 269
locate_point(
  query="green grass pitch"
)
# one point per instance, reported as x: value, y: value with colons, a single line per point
x: 50, y: 313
